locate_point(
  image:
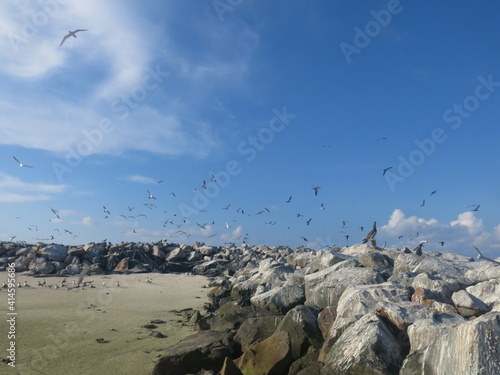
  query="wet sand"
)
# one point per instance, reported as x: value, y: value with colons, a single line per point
x: 57, y: 329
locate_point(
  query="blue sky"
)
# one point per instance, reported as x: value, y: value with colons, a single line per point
x: 270, y: 98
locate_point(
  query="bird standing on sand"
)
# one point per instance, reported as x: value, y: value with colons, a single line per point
x: 418, y: 249
x: 71, y: 33
x: 371, y: 236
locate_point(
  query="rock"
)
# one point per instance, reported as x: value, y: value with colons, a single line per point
x: 470, y: 348
x: 158, y: 252
x: 204, y: 350
x: 483, y: 271
x: 179, y: 254
x: 487, y: 291
x: 432, y: 299
x: 72, y: 269
x: 443, y: 287
x: 424, y: 332
x: 76, y: 251
x: 403, y: 314
x: 271, y: 356
x: 230, y: 368
x: 308, y: 361
x: 41, y: 265
x: 325, y: 319
x: 54, y: 252
x: 123, y: 265
x: 375, y: 259
x: 254, y: 330
x: 301, y: 324
x: 324, y: 288
x: 468, y: 305
x: 22, y: 263
x: 366, y: 347
x: 210, y: 268
x: 359, y: 300
x: 281, y: 299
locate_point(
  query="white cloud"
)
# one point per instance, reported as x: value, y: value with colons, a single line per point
x: 11, y: 189
x: 140, y: 179
x: 467, y: 219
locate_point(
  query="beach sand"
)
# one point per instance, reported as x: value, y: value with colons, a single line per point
x: 57, y: 329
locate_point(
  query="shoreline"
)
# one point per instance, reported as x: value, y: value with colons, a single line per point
x: 101, y: 329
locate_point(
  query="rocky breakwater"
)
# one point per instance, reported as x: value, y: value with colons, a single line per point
x: 355, y: 310
x: 278, y: 310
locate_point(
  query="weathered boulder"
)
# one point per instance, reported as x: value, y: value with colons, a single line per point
x: 268, y: 357
x: 257, y: 329
x: 359, y: 300
x: 483, y: 271
x: 179, y: 254
x: 403, y: 314
x: 212, y: 267
x: 204, y: 350
x: 432, y: 299
x: 280, y: 299
x: 366, y: 347
x: 325, y: 319
x: 123, y: 265
x: 41, y: 265
x: 424, y: 332
x: 487, y: 291
x: 375, y: 259
x: 301, y: 324
x: 22, y: 263
x: 54, y: 252
x: 468, y: 305
x: 324, y: 288
x: 471, y: 348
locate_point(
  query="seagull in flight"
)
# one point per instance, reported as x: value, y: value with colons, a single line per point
x: 423, y: 203
x: 385, y: 170
x: 71, y: 33
x: 481, y: 256
x: 316, y: 188
x: 418, y: 249
x: 476, y: 207
x: 151, y: 196
x: 21, y: 164
x: 289, y: 199
x: 106, y: 210
x: 433, y: 192
x: 55, y: 213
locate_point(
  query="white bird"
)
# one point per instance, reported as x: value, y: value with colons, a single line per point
x: 21, y: 164
x: 117, y: 283
x: 150, y: 196
x: 71, y: 33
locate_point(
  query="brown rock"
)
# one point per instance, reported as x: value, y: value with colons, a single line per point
x: 269, y: 357
x: 230, y: 368
x: 325, y: 320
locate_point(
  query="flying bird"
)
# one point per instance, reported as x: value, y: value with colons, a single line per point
x: 433, y: 192
x: 106, y: 210
x: 289, y: 199
x: 481, y: 256
x: 316, y: 188
x: 308, y: 221
x: 71, y: 33
x: 385, y: 170
x: 21, y: 164
x: 423, y: 203
x: 151, y: 196
x: 476, y: 207
x: 322, y: 207
x: 55, y: 213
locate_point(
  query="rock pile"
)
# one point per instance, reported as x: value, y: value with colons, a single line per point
x: 277, y: 310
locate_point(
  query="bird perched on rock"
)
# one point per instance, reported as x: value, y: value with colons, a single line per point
x: 371, y: 236
x: 418, y: 249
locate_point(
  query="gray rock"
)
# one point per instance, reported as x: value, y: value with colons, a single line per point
x: 54, y: 252
x: 359, y: 300
x: 483, y: 271
x: 444, y: 287
x: 375, y: 259
x: 22, y: 263
x: 324, y: 288
x: 487, y: 291
x: 41, y: 265
x: 468, y: 305
x: 424, y: 332
x: 280, y: 299
x: 403, y: 314
x: 301, y: 324
x: 254, y: 330
x: 366, y: 347
x: 204, y: 350
x: 470, y: 348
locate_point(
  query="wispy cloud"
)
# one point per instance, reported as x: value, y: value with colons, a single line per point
x: 14, y: 190
x: 140, y: 179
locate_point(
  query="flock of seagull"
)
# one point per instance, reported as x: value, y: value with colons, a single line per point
x: 208, y: 226
x: 369, y: 238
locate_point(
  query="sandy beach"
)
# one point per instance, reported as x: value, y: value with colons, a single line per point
x: 97, y: 330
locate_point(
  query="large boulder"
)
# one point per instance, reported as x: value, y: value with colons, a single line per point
x: 324, y: 288
x: 204, y: 350
x: 468, y: 305
x: 41, y: 265
x: 403, y: 314
x: 301, y: 324
x: 281, y: 299
x: 54, y: 252
x: 268, y: 357
x: 257, y: 329
x: 471, y: 348
x: 366, y: 347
